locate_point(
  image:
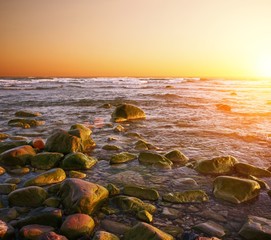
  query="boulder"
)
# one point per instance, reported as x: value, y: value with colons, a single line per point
x: 78, y: 161
x: 77, y: 225
x: 6, y: 188
x: 235, y: 190
x: 25, y: 123
x: 154, y: 159
x: 256, y: 228
x: 43, y: 216
x: 122, y: 157
x: 12, y: 180
x: 211, y: 228
x: 217, y: 165
x: 77, y: 174
x: 119, y: 128
x: 146, y: 231
x: 18, y: 170
x: 66, y: 142
x: 247, y: 169
x: 114, y: 227
x: 52, y: 202
x: 82, y: 132
x: 27, y: 114
x: 125, y: 112
x: 27, y: 197
x: 17, y: 156
x: 102, y: 235
x: 111, y: 147
x: 177, y: 157
x: 143, y: 145
x: 46, y: 160
x: 112, y: 189
x: 7, y: 232
x: 186, y: 196
x: 51, y: 236
x: 144, y: 216
x: 141, y: 192
x: 4, y: 146
x: 79, y: 196
x: 131, y: 204
x: 54, y: 175
x: 34, y: 231
x: 38, y: 143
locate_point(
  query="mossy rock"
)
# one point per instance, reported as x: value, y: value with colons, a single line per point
x: 131, y: 204
x: 143, y: 145
x: 25, y: 123
x: 84, y: 132
x: 6, y: 188
x: 122, y: 157
x: 27, y: 114
x: 235, y: 190
x: 189, y: 196
x: 146, y: 231
x: 125, y: 112
x: 247, y: 169
x: 154, y: 159
x: 177, y: 157
x: 217, y: 165
x: 78, y: 161
x: 141, y: 192
x: 17, y: 156
x: 46, y: 160
x: 27, y: 197
x: 54, y: 175
x: 102, y: 235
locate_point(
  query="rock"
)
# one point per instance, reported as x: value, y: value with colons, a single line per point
x: 211, y: 228
x: 84, y: 132
x: 52, y: 236
x: 17, y: 156
x: 141, y: 192
x: 223, y: 107
x: 13, y: 180
x: 146, y: 231
x: 43, y: 216
x: 119, y: 128
x: 2, y: 171
x: 217, y: 165
x: 114, y: 227
x: 78, y: 161
x: 177, y: 157
x: 64, y: 142
x: 38, y: 143
x: 143, y: 145
x: 27, y: 114
x: 25, y: 123
x: 125, y: 112
x: 262, y: 183
x: 247, y: 169
x: 52, y: 202
x: 7, y: 232
x: 154, y: 159
x: 19, y: 170
x: 184, y: 183
x: 212, y: 215
x: 27, y: 197
x: 76, y: 174
x: 256, y: 228
x: 54, y: 175
x: 3, y: 136
x: 77, y: 225
x: 269, y: 193
x: 127, y: 177
x: 131, y: 204
x: 133, y: 135
x: 34, y: 231
x: 144, y: 216
x: 54, y: 189
x: 112, y: 189
x: 46, y: 160
x: 186, y: 196
x: 106, y: 105
x: 8, y: 214
x: 122, y: 157
x: 6, y: 188
x: 4, y: 146
x: 79, y: 196
x: 102, y: 235
x: 170, y: 213
x: 110, y: 147
x: 235, y: 190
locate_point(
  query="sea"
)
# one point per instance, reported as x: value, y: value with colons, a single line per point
x: 203, y: 118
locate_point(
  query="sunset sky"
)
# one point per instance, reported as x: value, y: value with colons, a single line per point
x: 180, y: 38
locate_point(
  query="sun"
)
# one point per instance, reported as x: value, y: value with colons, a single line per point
x: 264, y: 67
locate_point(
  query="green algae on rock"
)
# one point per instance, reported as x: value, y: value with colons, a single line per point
x: 177, y: 156
x: 146, y: 231
x: 32, y: 196
x: 189, y: 196
x: 235, y: 190
x: 17, y: 156
x: 79, y: 196
x: 54, y: 175
x: 217, y: 165
x: 141, y: 192
x: 46, y: 160
x: 77, y: 225
x: 122, y: 157
x: 154, y: 159
x: 125, y: 112
x: 78, y: 161
x: 248, y: 169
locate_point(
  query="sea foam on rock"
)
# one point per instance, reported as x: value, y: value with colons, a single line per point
x: 125, y: 112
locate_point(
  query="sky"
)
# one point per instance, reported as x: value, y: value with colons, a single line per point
x: 141, y: 38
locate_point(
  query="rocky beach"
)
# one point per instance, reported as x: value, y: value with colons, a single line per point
x: 128, y: 158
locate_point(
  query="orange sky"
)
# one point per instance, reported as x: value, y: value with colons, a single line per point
x: 199, y: 38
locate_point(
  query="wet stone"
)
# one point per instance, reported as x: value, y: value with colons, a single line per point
x: 211, y: 228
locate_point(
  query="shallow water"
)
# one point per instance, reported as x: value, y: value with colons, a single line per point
x: 181, y: 113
